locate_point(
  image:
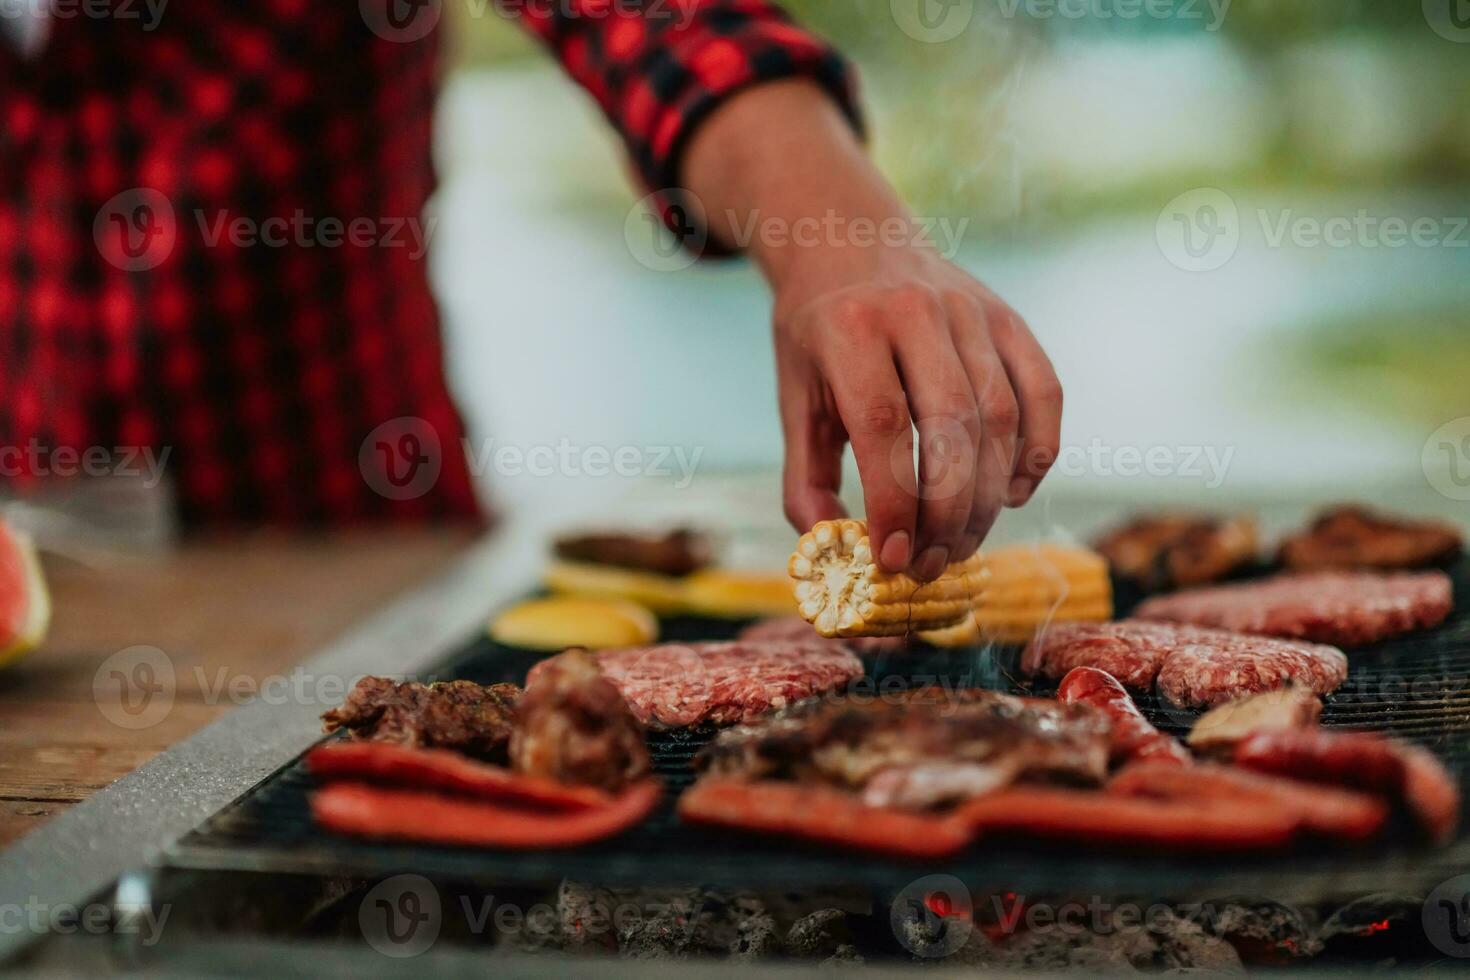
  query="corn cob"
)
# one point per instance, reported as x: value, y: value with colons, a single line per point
x: 841, y: 591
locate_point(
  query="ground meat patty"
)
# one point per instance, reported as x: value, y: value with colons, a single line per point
x: 794, y: 628
x: 674, y: 685
x: 1342, y: 608
x: 1213, y: 666
x: 1355, y: 537
x: 1172, y: 551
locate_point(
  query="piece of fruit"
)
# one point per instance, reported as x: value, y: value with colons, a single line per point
x: 25, y: 605
x: 569, y: 621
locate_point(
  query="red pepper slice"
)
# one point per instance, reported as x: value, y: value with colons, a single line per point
x: 383, y: 813
x: 448, y: 772
x: 1133, y: 737
x: 823, y: 815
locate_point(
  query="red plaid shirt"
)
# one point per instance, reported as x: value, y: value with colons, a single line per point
x: 136, y: 312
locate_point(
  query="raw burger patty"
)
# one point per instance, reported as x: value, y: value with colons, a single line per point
x: 674, y: 685
x: 1193, y: 666
x: 1343, y: 608
x: 794, y: 628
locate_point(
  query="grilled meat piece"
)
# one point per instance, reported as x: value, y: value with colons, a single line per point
x: 1175, y: 550
x: 572, y: 725
x: 1356, y: 537
x: 918, y: 749
x: 460, y: 715
x: 679, y: 552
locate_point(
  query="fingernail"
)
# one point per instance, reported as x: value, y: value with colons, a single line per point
x: 1021, y: 489
x: 931, y: 563
x: 895, y: 554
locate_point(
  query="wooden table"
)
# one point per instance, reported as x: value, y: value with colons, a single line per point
x: 225, y: 612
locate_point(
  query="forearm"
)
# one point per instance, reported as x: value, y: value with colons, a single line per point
x: 778, y: 155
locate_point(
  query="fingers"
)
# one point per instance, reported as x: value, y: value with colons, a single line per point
x: 814, y: 441
x: 998, y: 410
x: 942, y: 400
x: 858, y: 363
x: 1039, y: 396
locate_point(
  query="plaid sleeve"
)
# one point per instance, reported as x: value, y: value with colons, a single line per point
x: 659, y: 68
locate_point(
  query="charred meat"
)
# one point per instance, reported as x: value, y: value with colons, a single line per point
x: 920, y: 749
x: 677, y: 553
x: 1355, y: 537
x: 572, y: 725
x: 459, y: 715
x: 1171, y: 551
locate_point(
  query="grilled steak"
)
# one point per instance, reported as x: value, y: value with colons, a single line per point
x: 679, y: 684
x: 1355, y: 537
x: 678, y: 552
x: 1174, y: 550
x: 573, y: 726
x: 1342, y: 608
x: 1192, y: 666
x: 461, y: 715
x: 918, y: 749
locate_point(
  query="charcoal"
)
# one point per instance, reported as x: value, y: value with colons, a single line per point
x: 1263, y: 932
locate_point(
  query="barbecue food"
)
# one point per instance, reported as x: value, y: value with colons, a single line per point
x: 1027, y: 587
x: 1290, y: 707
x: 458, y: 715
x: 678, y: 552
x: 674, y: 685
x: 25, y: 604
x: 794, y: 629
x: 1358, y: 538
x: 1133, y: 738
x: 1179, y: 550
x: 1213, y: 666
x: 1342, y: 608
x: 917, y: 749
x: 841, y: 591
x: 565, y: 621
x: 725, y: 593
x: 573, y: 726
x: 1369, y: 761
x: 663, y: 594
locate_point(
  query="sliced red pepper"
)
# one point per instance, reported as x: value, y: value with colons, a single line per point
x: 364, y: 810
x: 448, y: 772
x: 1365, y: 760
x: 1133, y: 738
x: 1332, y: 812
x: 1088, y: 816
x: 823, y: 815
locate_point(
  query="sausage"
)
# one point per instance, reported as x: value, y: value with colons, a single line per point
x: 822, y: 815
x: 364, y: 810
x: 1133, y: 739
x: 448, y: 772
x: 1339, y: 814
x: 1091, y: 817
x: 1365, y: 760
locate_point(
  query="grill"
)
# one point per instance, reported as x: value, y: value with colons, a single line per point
x: 1416, y: 687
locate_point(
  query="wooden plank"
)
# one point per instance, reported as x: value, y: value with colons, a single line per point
x: 20, y: 817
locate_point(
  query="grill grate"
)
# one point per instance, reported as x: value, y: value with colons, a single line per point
x: 1417, y: 688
